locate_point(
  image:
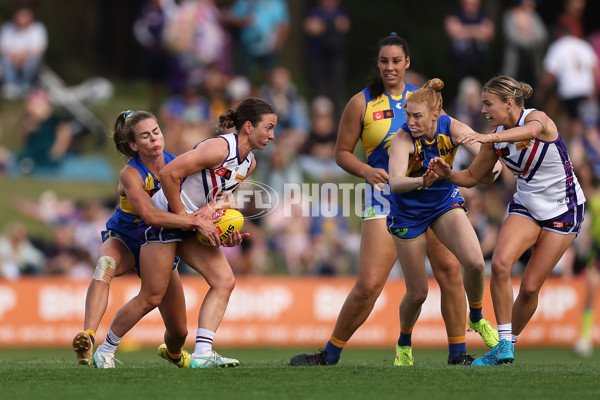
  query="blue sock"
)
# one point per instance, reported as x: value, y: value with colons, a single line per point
x: 456, y: 349
x: 475, y: 314
x: 333, y: 353
x: 405, y: 339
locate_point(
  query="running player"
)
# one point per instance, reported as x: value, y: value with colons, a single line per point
x: 422, y: 201
x: 546, y: 211
x: 374, y: 115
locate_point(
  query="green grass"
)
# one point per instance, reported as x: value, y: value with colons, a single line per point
x: 265, y: 374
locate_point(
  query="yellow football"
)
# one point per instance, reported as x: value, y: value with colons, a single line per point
x: 226, y: 221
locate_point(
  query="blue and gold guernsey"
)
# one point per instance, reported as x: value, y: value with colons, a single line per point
x: 416, y: 206
x: 124, y: 222
x: 384, y: 115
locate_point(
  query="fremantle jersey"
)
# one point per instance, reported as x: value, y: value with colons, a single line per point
x: 411, y: 207
x: 125, y: 219
x: 546, y: 183
x: 211, y: 184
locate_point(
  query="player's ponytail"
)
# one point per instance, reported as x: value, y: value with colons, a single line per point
x: 251, y: 109
x: 375, y: 82
x: 123, y: 130
x: 430, y: 94
x: 506, y: 87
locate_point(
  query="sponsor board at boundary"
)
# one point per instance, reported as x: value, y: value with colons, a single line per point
x: 271, y: 311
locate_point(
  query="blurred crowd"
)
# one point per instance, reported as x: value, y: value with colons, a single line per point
x: 211, y: 54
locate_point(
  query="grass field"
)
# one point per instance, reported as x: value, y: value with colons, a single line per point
x: 265, y: 374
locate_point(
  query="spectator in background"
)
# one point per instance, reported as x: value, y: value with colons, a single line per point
x: 467, y: 106
x: 44, y: 137
x: 326, y: 26
x: 293, y: 124
x: 263, y: 29
x: 525, y: 37
x: 23, y: 42
x: 64, y: 257
x: 148, y: 31
x: 317, y: 155
x: 186, y: 119
x: 470, y: 33
x: 289, y: 228
x: 18, y: 256
x: 572, y: 17
x: 485, y: 227
x: 571, y: 63
x: 197, y: 40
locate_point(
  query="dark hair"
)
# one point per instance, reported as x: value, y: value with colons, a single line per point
x: 123, y: 132
x: 375, y: 82
x: 251, y: 109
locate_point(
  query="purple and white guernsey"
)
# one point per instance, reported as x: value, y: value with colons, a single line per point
x: 546, y: 183
x: 211, y: 184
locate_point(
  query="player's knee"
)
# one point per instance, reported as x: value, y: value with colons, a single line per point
x: 476, y: 267
x: 500, y: 269
x: 416, y: 296
x: 529, y: 289
x: 366, y: 291
x: 224, y: 283
x: 105, y: 269
x: 150, y: 302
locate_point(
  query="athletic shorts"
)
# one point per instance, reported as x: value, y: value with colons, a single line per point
x: 376, y: 203
x: 567, y: 223
x: 133, y: 245
x: 404, y: 232
x: 151, y: 234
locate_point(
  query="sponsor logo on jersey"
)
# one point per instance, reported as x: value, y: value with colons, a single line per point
x: 523, y: 145
x: 420, y: 156
x: 224, y: 173
x: 383, y: 114
x: 503, y: 152
x: 449, y: 151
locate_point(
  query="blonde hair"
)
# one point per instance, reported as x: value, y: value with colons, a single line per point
x: 506, y: 87
x: 429, y: 94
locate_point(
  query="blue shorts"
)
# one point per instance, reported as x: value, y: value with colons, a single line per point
x: 403, y: 231
x: 567, y: 223
x: 376, y: 203
x: 133, y: 245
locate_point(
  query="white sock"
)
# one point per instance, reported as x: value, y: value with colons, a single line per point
x: 204, y: 341
x: 110, y: 343
x: 515, y: 338
x: 505, y: 331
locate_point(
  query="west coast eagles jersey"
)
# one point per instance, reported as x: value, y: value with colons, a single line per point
x: 411, y: 207
x: 211, y: 184
x: 546, y: 183
x: 125, y: 219
x: 383, y: 117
